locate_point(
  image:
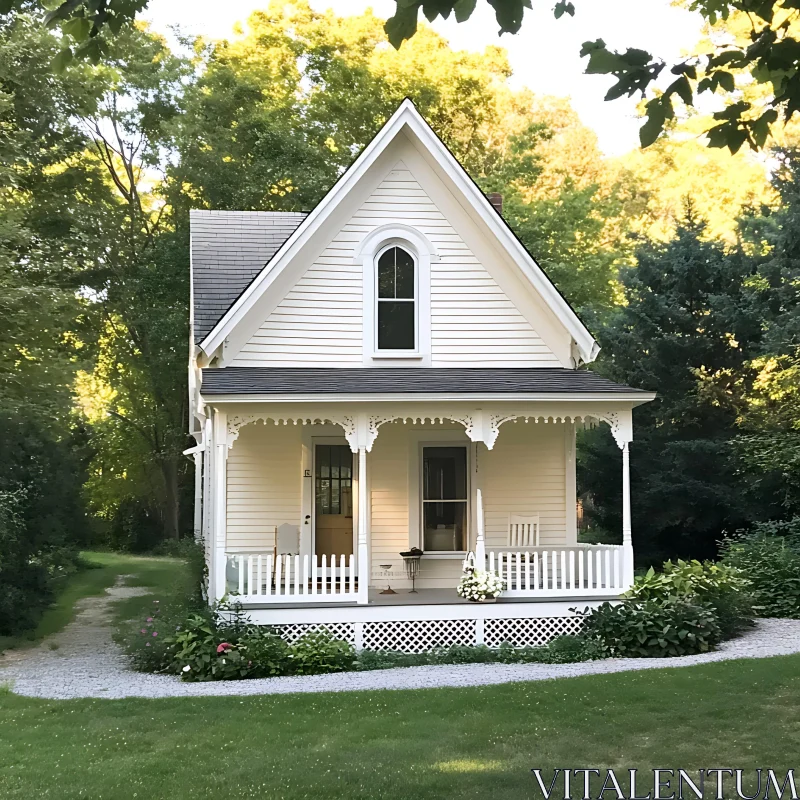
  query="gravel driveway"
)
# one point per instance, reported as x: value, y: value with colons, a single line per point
x: 82, y: 661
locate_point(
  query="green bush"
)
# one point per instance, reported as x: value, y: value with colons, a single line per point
x: 722, y: 587
x: 772, y: 566
x: 149, y: 643
x: 562, y: 650
x: 566, y: 650
x: 319, y: 652
x: 649, y: 628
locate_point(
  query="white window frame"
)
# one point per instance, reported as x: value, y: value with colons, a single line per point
x: 423, y: 252
x: 417, y: 442
x: 376, y: 299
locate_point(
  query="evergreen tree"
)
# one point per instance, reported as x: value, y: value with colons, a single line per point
x: 687, y: 332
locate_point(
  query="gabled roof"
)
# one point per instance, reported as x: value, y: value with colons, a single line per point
x: 408, y: 119
x: 228, y: 250
x: 414, y: 380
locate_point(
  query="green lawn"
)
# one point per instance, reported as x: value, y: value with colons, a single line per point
x: 159, y: 575
x: 444, y: 743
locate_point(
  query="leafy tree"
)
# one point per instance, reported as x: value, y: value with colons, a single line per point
x: 687, y: 332
x: 769, y: 445
x: 46, y: 236
x: 770, y: 55
x: 139, y: 287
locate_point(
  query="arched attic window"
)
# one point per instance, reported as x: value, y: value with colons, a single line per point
x: 396, y: 283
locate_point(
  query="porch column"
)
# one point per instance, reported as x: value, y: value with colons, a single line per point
x: 480, y: 536
x: 627, y: 544
x: 363, y: 528
x: 219, y: 491
x: 198, y: 496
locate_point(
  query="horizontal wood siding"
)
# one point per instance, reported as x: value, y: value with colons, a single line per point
x: 264, y: 468
x: 473, y: 322
x: 387, y: 466
x: 525, y: 474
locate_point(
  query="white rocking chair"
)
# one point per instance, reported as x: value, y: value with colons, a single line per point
x: 523, y: 531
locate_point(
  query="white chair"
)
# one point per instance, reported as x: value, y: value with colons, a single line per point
x: 288, y: 539
x: 523, y: 531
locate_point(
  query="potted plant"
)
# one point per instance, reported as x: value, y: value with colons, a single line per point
x: 478, y: 586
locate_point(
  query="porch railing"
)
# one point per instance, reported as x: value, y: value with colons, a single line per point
x: 269, y: 578
x: 589, y: 570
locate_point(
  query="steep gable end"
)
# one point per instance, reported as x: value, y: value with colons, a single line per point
x: 472, y: 320
x: 437, y: 204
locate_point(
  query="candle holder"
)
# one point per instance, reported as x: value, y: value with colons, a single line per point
x: 411, y: 560
x: 388, y: 589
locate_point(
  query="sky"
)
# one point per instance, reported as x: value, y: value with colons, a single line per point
x: 544, y: 55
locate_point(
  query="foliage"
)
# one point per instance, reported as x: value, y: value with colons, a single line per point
x: 318, y: 652
x: 769, y: 56
x: 687, y: 332
x: 724, y: 588
x: 651, y: 629
x: 772, y: 564
x: 561, y: 650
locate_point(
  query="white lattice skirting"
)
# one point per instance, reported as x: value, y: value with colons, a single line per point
x: 418, y: 636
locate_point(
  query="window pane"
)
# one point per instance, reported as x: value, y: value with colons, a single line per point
x: 396, y: 274
x: 444, y: 526
x: 404, y: 274
x: 444, y: 471
x: 395, y: 325
x: 386, y: 265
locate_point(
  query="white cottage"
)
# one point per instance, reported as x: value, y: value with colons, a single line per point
x: 392, y: 371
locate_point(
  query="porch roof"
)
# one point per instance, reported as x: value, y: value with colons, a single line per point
x: 408, y: 380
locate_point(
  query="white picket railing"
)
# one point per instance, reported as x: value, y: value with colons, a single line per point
x: 266, y: 578
x: 590, y: 570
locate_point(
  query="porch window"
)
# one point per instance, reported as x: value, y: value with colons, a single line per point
x: 396, y: 312
x: 444, y: 499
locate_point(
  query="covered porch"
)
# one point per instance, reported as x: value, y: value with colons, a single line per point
x: 505, y: 494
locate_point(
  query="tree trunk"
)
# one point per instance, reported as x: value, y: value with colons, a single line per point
x: 169, y: 469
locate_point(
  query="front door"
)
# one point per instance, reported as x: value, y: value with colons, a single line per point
x: 333, y: 500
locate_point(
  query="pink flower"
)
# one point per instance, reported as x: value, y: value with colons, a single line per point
x: 225, y: 646
x: 149, y: 619
x: 144, y: 630
x: 155, y: 633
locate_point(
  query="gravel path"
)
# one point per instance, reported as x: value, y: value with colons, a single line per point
x: 82, y: 661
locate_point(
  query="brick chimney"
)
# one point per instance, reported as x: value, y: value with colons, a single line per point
x: 496, y: 199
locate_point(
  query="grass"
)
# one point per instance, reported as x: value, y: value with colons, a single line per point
x: 157, y: 574
x: 441, y: 743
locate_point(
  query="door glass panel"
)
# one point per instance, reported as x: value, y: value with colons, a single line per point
x: 444, y: 498
x: 333, y: 480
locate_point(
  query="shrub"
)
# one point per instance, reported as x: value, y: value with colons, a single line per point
x: 318, y: 652
x: 562, y: 650
x: 722, y: 587
x: 772, y: 566
x: 647, y: 628
x: 149, y: 643
x: 566, y: 650
x: 267, y: 653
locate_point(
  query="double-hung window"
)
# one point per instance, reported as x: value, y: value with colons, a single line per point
x: 444, y: 499
x: 396, y: 300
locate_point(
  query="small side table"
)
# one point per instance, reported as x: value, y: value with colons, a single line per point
x: 411, y: 560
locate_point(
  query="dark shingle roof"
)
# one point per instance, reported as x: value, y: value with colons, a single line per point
x: 229, y: 248
x: 420, y: 380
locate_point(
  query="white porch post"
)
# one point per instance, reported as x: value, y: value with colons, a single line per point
x: 198, y: 496
x: 480, y: 538
x: 627, y: 544
x: 219, y: 490
x: 363, y: 528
